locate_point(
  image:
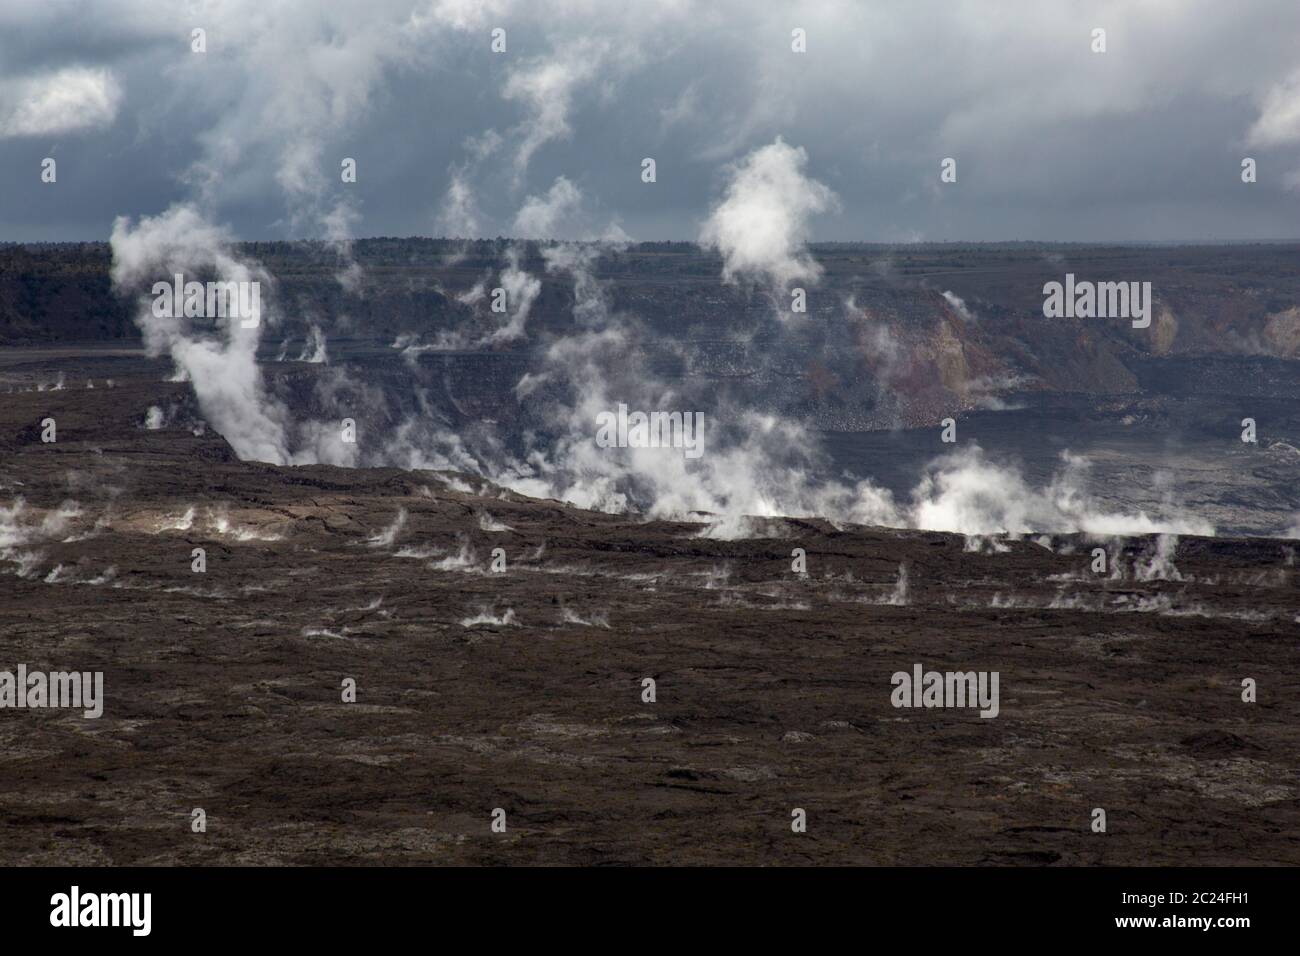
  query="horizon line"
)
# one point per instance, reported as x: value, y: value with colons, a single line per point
x: 694, y: 242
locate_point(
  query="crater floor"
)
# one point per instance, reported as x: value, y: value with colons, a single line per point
x: 522, y: 689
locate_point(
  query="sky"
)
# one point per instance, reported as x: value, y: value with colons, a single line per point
x: 1052, y: 139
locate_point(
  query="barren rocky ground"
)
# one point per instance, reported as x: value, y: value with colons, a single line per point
x: 522, y: 689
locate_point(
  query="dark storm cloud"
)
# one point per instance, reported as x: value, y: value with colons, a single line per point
x: 1052, y: 140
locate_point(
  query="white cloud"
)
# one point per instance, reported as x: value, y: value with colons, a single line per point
x: 684, y: 109
x: 546, y: 86
x: 1279, y: 116
x: 467, y: 14
x: 257, y: 126
x: 70, y: 100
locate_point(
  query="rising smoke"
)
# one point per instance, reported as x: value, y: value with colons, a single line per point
x: 758, y: 464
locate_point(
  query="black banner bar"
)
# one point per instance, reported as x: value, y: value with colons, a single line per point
x: 333, y: 906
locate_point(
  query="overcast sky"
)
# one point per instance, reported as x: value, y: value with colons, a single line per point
x: 1052, y: 140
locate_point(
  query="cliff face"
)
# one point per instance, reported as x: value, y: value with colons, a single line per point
x: 899, y: 335
x: 55, y: 293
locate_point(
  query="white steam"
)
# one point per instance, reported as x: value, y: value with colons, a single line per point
x: 220, y: 362
x: 761, y: 225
